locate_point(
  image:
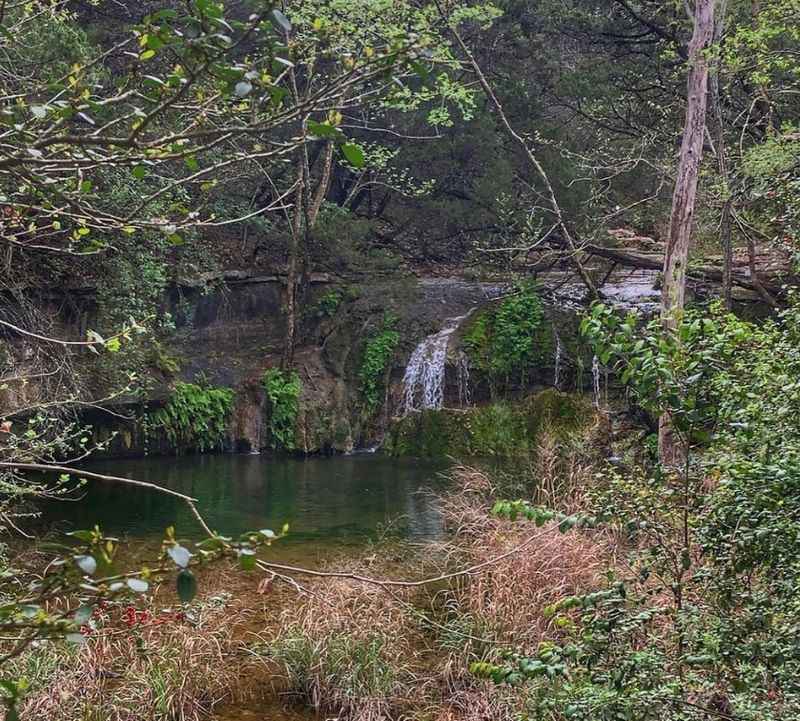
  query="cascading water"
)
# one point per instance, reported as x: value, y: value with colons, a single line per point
x: 596, y: 381
x: 462, y: 369
x: 423, y: 382
x: 557, y: 363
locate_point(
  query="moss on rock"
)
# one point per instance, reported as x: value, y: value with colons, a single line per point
x: 502, y: 429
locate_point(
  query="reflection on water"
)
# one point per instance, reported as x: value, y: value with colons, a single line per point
x: 343, y: 498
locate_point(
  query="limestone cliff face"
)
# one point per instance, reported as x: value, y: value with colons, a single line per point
x: 229, y: 330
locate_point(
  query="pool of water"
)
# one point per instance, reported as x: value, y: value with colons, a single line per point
x: 324, y: 500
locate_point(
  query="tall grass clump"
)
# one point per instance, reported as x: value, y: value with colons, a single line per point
x: 350, y: 651
x: 135, y: 665
x: 506, y: 600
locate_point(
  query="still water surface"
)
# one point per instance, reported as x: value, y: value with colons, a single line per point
x: 335, y: 501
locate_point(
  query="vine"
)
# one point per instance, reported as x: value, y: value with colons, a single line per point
x: 195, y: 417
x: 378, y: 354
x: 283, y: 393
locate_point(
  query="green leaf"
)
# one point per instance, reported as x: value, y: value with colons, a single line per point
x: 247, y: 559
x: 87, y: 536
x: 138, y: 585
x: 186, y: 585
x: 87, y: 564
x: 281, y: 21
x: 82, y: 615
x: 180, y: 556
x: 147, y: 54
x: 353, y: 154
x: 242, y: 89
x: 139, y: 172
x: 323, y: 130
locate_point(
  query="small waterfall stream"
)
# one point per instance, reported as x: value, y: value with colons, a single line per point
x: 423, y: 382
x: 596, y: 381
x: 462, y: 367
x: 557, y: 361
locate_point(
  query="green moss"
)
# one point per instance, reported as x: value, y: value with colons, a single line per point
x: 163, y: 361
x: 502, y: 430
x: 561, y: 414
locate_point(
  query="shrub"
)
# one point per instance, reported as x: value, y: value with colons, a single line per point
x: 378, y: 354
x: 283, y: 393
x: 505, y: 342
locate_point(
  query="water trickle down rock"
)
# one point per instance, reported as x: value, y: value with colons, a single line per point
x: 596, y: 381
x: 557, y: 362
x: 423, y: 382
x: 462, y: 370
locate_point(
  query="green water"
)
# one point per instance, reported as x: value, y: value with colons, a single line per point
x: 330, y: 500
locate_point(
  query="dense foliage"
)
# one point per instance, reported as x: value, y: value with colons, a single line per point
x: 506, y: 341
x: 283, y: 393
x: 375, y: 362
x: 195, y: 417
x: 702, y: 614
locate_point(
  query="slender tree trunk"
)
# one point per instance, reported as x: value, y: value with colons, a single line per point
x: 722, y: 165
x: 292, y: 270
x: 306, y: 211
x: 683, y: 200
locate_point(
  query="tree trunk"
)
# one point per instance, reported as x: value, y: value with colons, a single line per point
x: 292, y: 272
x: 725, y: 222
x: 683, y: 200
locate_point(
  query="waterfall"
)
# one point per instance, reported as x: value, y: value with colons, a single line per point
x: 462, y: 369
x: 423, y: 382
x: 557, y: 371
x: 596, y: 381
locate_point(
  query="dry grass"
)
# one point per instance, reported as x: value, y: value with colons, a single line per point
x: 482, y: 701
x: 507, y: 599
x: 350, y: 650
x: 164, y: 668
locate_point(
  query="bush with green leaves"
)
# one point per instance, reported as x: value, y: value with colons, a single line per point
x: 701, y: 619
x: 378, y: 353
x: 283, y: 395
x: 505, y: 342
x: 195, y: 417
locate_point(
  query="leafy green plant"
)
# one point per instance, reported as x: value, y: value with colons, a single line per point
x: 195, y: 416
x: 702, y: 619
x: 378, y: 354
x: 283, y: 394
x: 329, y: 303
x: 504, y: 342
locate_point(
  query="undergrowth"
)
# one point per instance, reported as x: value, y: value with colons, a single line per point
x: 195, y: 417
x: 505, y: 342
x: 378, y: 353
x: 283, y: 395
x: 134, y: 665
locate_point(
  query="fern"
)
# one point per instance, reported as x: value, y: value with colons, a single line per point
x: 195, y: 417
x: 283, y: 393
x: 378, y: 354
